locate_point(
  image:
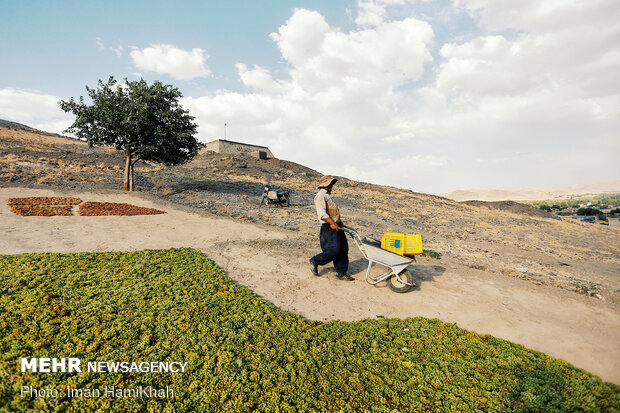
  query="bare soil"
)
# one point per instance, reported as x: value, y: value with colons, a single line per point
x: 513, y: 206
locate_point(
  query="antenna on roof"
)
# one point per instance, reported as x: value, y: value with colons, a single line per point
x: 224, y: 131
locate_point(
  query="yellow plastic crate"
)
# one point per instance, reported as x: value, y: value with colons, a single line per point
x: 402, y: 244
x: 413, y: 244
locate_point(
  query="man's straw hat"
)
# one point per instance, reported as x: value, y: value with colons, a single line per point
x: 326, y: 181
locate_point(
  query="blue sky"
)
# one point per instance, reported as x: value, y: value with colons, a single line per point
x: 427, y: 95
x: 54, y: 44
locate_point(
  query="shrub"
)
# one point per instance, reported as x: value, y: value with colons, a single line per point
x: 589, y: 211
x: 431, y: 254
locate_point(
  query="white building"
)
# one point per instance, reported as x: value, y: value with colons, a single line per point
x: 231, y: 148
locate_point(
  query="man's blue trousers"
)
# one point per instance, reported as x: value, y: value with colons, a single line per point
x: 335, y: 248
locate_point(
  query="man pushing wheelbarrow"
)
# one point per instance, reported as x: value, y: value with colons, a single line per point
x: 334, y: 245
x: 336, y: 248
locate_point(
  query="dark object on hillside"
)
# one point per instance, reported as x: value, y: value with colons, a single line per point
x: 272, y: 196
x: 512, y: 206
x: 412, y: 222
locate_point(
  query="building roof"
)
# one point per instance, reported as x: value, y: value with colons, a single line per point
x: 239, y: 143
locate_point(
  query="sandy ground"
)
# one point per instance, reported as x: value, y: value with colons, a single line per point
x: 272, y: 262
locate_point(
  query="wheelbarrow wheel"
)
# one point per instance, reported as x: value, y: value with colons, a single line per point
x: 399, y: 287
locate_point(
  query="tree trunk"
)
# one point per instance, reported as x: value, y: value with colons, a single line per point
x: 131, y: 176
x: 127, y: 171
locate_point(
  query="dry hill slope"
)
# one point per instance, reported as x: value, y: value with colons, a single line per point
x: 549, y: 284
x: 579, y: 257
x: 582, y: 190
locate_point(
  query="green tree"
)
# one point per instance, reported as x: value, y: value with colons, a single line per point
x: 144, y: 122
x: 589, y: 211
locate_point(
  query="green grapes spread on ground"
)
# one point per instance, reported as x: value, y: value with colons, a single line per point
x: 244, y: 354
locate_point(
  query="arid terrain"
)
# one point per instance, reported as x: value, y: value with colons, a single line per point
x: 550, y: 284
x: 573, y: 191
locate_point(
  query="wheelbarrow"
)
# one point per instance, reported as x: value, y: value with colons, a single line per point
x: 398, y: 278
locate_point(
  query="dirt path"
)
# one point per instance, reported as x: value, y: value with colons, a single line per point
x: 579, y: 329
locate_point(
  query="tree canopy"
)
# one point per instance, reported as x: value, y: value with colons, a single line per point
x: 144, y: 121
x: 588, y: 211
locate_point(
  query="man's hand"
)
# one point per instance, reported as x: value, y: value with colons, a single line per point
x: 331, y: 223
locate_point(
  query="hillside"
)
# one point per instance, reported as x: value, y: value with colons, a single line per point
x: 7, y: 124
x: 578, y: 257
x: 493, y: 195
x: 549, y: 284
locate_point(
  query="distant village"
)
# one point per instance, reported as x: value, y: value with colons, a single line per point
x: 594, y: 213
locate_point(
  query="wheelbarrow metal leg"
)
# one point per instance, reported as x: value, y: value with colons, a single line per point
x: 368, y: 272
x: 379, y: 278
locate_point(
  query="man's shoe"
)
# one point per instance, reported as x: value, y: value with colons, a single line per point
x: 314, y: 269
x: 345, y: 277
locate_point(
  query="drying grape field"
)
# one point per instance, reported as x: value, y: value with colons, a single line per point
x: 244, y: 354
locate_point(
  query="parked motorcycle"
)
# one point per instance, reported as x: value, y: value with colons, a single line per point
x: 272, y: 196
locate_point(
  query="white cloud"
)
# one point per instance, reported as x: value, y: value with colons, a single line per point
x: 117, y: 50
x: 369, y: 60
x: 399, y: 138
x: 352, y: 99
x: 410, y: 171
x: 549, y: 87
x: 302, y: 36
x: 33, y: 108
x: 541, y: 16
x: 258, y: 79
x: 372, y: 13
x: 172, y: 61
x: 337, y: 97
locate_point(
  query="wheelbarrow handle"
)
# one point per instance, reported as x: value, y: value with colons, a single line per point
x: 352, y: 233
